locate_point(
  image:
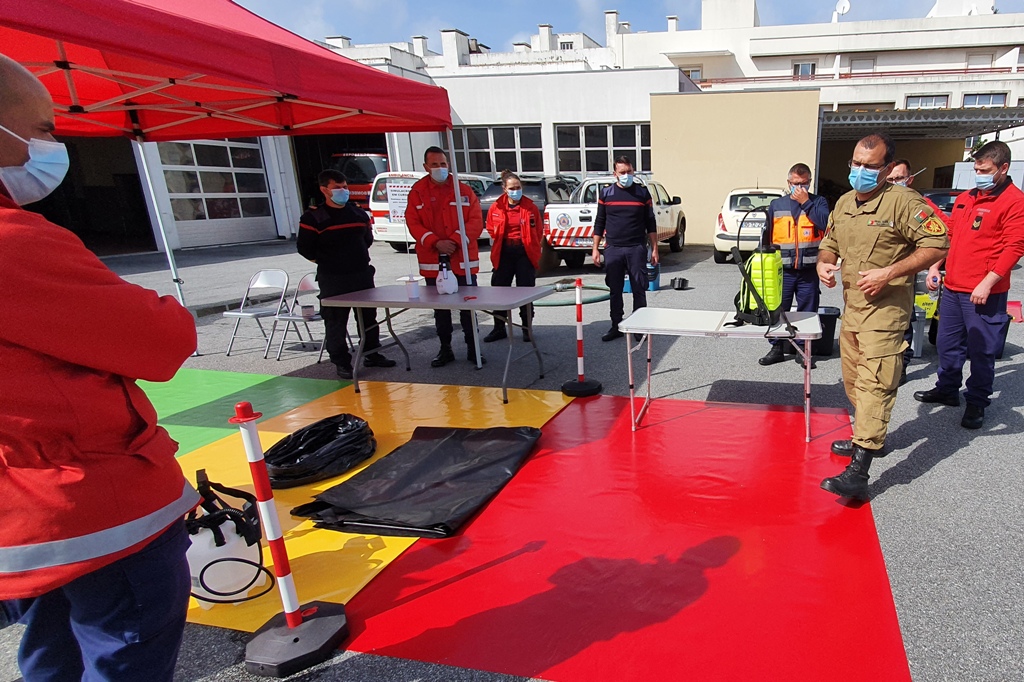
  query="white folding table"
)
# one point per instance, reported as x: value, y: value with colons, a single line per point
x: 492, y: 300
x: 647, y: 322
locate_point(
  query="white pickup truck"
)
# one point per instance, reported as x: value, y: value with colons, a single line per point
x: 569, y: 228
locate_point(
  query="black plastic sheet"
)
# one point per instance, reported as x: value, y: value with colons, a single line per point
x: 322, y: 450
x: 428, y: 487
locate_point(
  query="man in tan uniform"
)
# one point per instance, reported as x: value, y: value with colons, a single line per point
x: 885, y: 234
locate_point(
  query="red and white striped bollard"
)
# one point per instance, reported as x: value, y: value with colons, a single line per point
x: 581, y: 387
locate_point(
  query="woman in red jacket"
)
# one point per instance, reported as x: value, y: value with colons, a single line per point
x: 514, y: 225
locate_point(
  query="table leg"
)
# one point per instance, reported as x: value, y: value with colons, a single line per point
x: 357, y: 360
x: 476, y: 341
x: 632, y: 393
x: 394, y: 336
x: 807, y: 388
x: 533, y: 341
x: 508, y: 358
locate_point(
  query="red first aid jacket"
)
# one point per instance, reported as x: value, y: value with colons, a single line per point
x: 530, y: 228
x: 986, y: 233
x: 86, y: 475
x: 430, y: 215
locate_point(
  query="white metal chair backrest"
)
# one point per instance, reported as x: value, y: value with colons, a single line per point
x: 266, y: 279
x: 307, y: 286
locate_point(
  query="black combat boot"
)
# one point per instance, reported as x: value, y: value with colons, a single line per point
x: 844, y: 448
x: 774, y: 355
x: 853, y: 482
x: 443, y: 357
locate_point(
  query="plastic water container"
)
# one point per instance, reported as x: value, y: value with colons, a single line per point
x: 223, y: 576
x: 766, y: 274
x: 653, y: 279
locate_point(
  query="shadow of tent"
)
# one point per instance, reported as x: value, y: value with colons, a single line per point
x: 771, y: 393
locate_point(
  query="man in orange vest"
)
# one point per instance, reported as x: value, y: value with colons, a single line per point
x: 433, y: 222
x: 92, y: 541
x: 796, y: 222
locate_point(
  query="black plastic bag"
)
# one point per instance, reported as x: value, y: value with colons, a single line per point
x: 428, y: 487
x: 325, y: 449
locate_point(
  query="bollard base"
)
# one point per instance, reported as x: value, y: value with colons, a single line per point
x: 581, y: 389
x: 277, y: 650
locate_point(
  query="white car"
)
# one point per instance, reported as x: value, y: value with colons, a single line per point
x: 388, y: 199
x: 747, y: 205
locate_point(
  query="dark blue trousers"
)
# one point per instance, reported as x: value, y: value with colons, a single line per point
x: 969, y: 332
x: 618, y: 262
x: 120, y: 622
x: 803, y: 285
x: 514, y: 264
x: 443, y: 318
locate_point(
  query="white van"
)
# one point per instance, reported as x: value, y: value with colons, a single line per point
x: 388, y: 200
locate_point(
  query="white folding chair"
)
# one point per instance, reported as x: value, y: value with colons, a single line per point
x: 262, y: 283
x: 307, y: 290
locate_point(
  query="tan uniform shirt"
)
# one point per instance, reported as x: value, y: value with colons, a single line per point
x: 885, y: 229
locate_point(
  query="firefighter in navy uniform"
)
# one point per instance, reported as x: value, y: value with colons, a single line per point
x: 336, y: 235
x: 625, y: 217
x: 796, y: 223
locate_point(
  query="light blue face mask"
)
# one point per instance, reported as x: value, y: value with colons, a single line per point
x: 515, y: 195
x: 439, y: 174
x: 340, y: 196
x: 985, y: 182
x: 626, y: 180
x: 864, y: 179
x: 45, y: 169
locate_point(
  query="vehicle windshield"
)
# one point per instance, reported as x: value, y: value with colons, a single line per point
x: 554, y: 191
x: 943, y: 199
x: 360, y: 170
x: 750, y: 202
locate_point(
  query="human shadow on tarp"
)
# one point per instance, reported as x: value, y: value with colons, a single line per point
x: 936, y: 434
x: 590, y: 600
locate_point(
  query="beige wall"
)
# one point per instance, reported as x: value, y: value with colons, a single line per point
x: 703, y: 145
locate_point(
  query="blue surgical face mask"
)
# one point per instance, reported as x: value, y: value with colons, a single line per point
x: 340, y: 196
x: 985, y: 182
x: 626, y: 179
x: 439, y: 174
x: 864, y: 179
x: 45, y: 169
x: 793, y: 188
x: 515, y: 194
x: 901, y: 183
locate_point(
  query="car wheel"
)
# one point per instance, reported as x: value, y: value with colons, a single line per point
x: 575, y: 259
x: 400, y: 247
x: 549, y: 260
x: 721, y: 256
x: 675, y: 244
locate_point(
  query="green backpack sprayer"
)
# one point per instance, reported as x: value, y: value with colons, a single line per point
x: 759, y: 301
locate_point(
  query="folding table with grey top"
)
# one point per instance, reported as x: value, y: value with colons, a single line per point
x: 797, y: 328
x: 394, y: 300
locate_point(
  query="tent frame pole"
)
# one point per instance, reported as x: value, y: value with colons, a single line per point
x: 465, y: 242
x: 160, y: 223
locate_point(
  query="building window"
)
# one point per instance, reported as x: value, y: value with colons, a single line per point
x: 565, y: 45
x: 591, y: 148
x: 970, y: 142
x: 987, y: 99
x: 491, y: 150
x: 979, y: 61
x: 693, y: 73
x: 804, y: 70
x: 928, y: 102
x: 862, y: 65
x: 215, y: 179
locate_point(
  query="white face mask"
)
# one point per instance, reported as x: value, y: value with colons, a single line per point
x: 45, y: 169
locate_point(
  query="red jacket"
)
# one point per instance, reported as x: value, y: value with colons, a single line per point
x: 497, y: 222
x: 986, y: 233
x: 86, y: 475
x: 430, y: 216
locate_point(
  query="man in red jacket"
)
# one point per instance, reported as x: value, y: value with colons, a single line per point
x: 986, y: 241
x: 92, y: 542
x: 433, y: 222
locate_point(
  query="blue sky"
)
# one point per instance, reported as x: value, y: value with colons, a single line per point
x: 500, y: 23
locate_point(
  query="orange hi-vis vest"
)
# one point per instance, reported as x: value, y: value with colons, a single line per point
x: 797, y: 238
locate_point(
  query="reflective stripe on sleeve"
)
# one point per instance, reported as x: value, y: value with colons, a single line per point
x: 99, y: 544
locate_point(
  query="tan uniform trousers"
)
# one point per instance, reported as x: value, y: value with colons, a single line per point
x: 872, y: 362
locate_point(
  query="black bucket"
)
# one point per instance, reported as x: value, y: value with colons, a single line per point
x: 827, y: 343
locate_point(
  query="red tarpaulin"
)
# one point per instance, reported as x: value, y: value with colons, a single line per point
x: 189, y: 69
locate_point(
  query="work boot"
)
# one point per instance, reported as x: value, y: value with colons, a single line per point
x: 526, y: 336
x: 497, y: 334
x: 378, y: 360
x: 974, y: 417
x: 800, y: 361
x: 853, y: 482
x: 772, y: 356
x: 443, y: 357
x: 936, y: 396
x: 344, y: 372
x: 612, y: 334
x: 844, y: 448
x: 471, y: 355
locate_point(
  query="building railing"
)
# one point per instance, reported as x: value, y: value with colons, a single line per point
x: 708, y: 83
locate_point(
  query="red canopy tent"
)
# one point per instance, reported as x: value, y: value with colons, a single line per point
x: 155, y: 70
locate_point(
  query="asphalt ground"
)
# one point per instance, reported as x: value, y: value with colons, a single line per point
x: 945, y: 501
